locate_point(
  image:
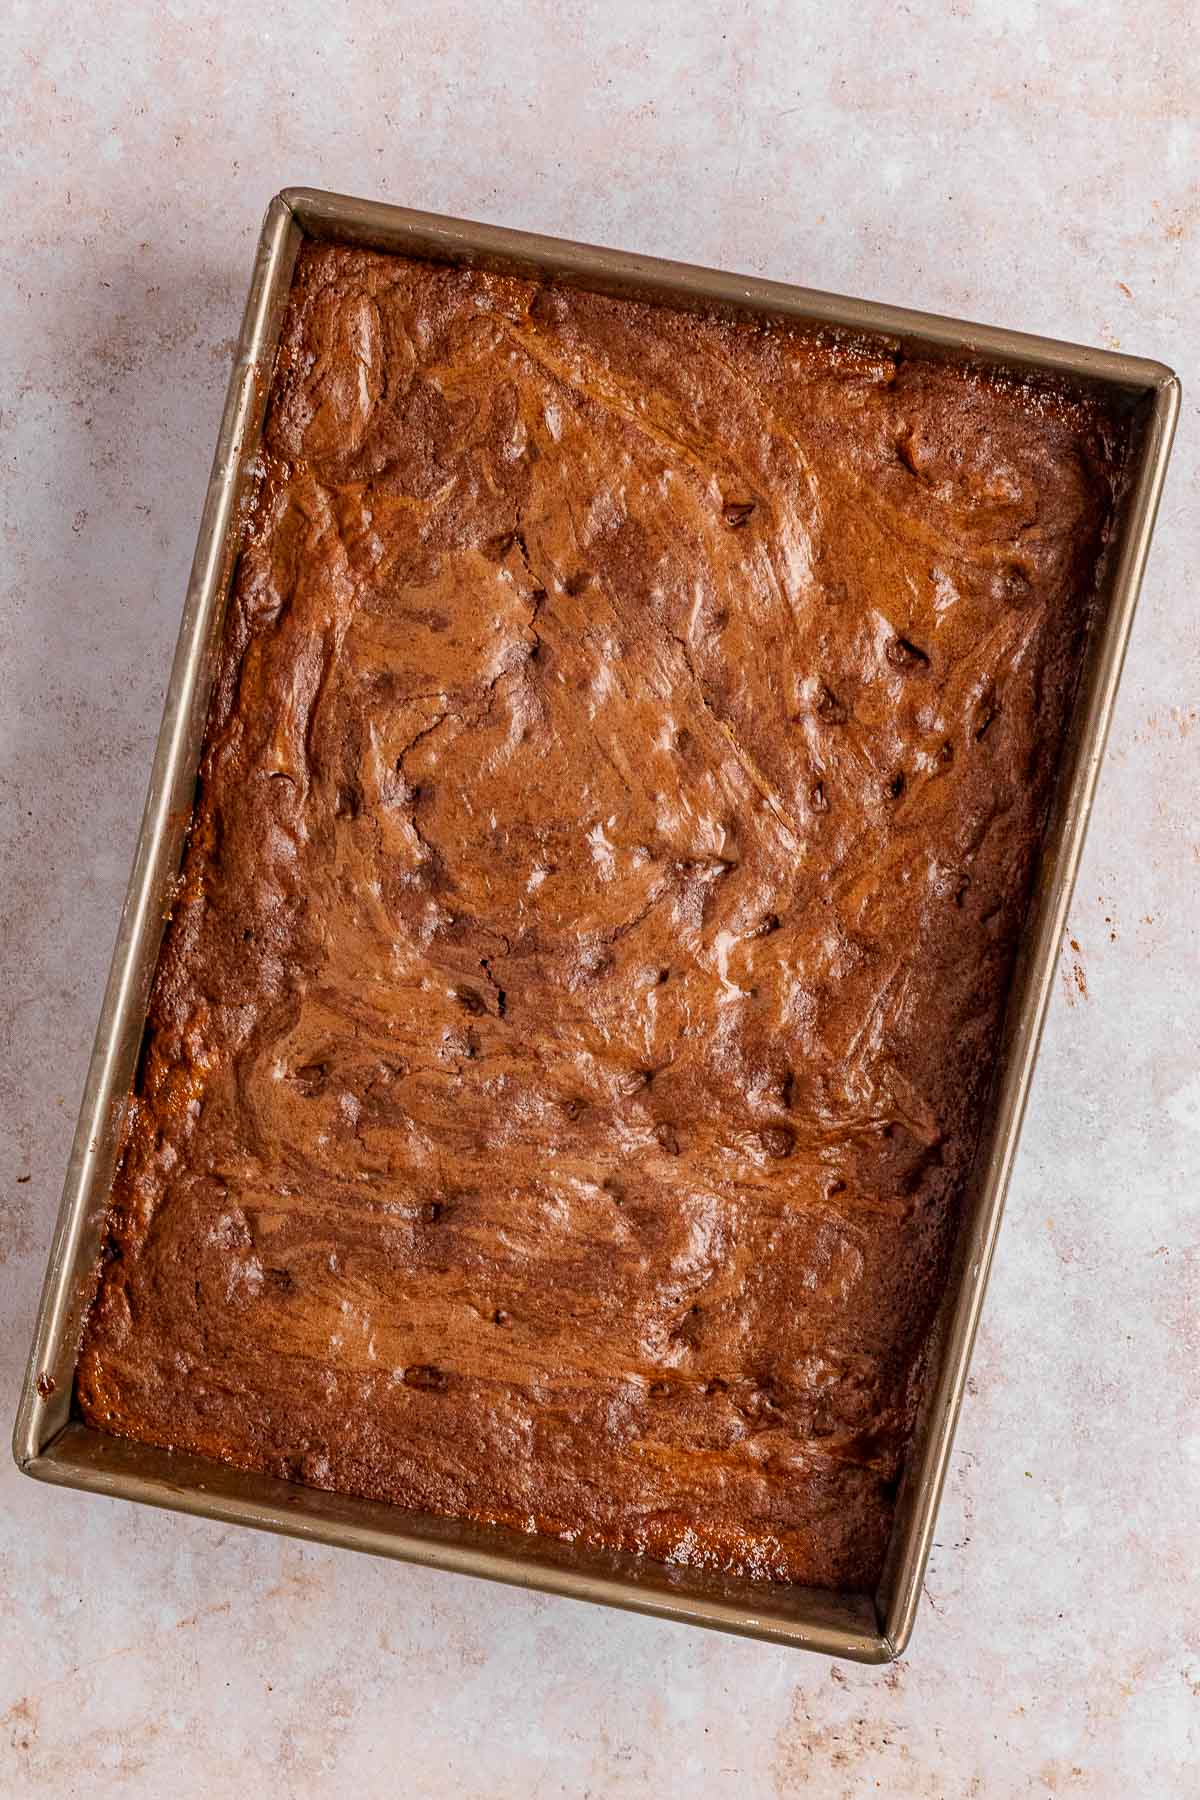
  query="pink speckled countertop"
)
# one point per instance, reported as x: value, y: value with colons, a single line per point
x: 1031, y: 163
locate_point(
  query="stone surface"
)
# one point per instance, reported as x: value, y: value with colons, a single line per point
x: 1033, y: 164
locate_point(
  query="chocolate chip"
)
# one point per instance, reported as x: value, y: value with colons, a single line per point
x: 906, y: 453
x: 1017, y: 585
x: 548, y: 306
x: 470, y: 1001
x: 766, y: 925
x: 928, y: 1160
x: 425, y: 1377
x: 897, y: 785
x: 501, y: 996
x: 989, y: 713
x: 777, y: 1141
x: 829, y: 707
x: 902, y: 653
x: 633, y: 1081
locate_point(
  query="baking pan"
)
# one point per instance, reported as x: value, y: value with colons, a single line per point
x: 53, y: 1445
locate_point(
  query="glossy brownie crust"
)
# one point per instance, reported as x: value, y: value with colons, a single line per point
x: 619, y: 805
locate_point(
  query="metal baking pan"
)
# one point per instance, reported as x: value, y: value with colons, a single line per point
x: 53, y: 1445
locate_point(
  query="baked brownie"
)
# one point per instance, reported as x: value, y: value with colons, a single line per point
x: 618, y: 811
